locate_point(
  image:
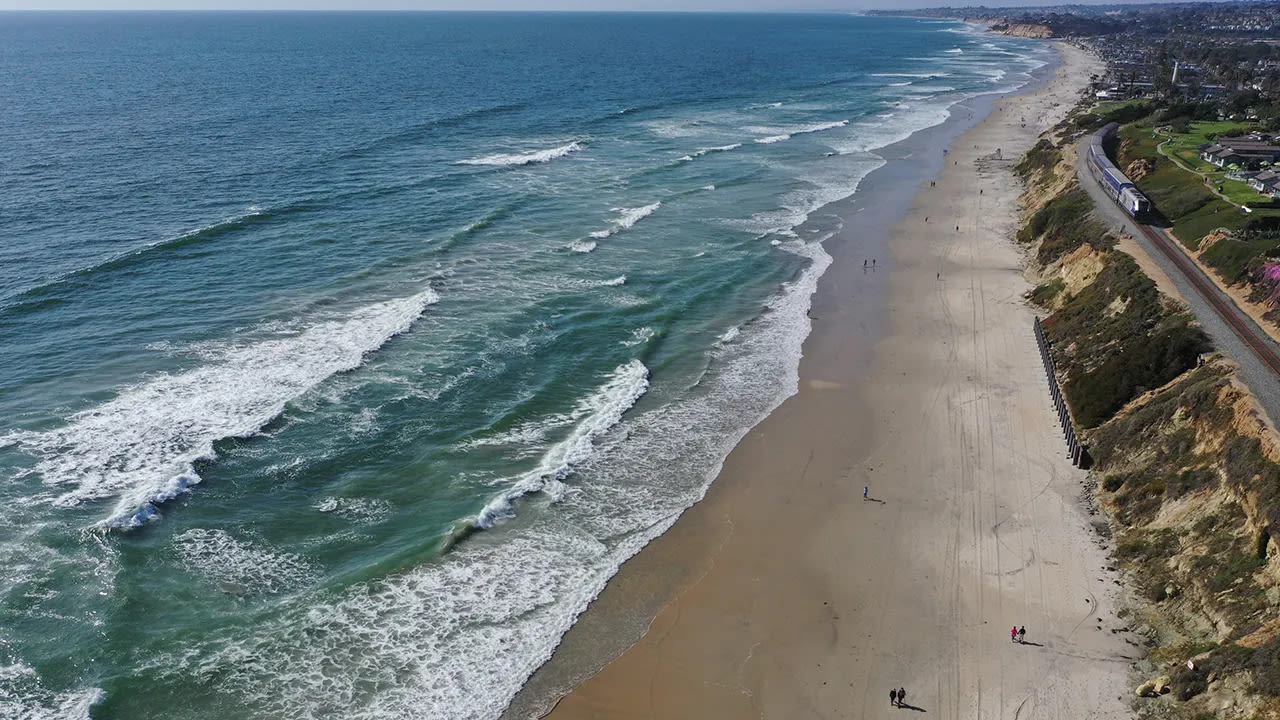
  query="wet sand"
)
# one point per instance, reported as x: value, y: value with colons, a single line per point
x: 785, y: 594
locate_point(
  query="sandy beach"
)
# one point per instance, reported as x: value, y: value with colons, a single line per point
x: 786, y: 594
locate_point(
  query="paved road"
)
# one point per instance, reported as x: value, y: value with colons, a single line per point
x: 1234, y: 333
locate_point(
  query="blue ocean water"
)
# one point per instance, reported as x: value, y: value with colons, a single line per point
x: 344, y: 357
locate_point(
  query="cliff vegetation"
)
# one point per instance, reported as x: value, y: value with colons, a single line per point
x: 1187, y: 469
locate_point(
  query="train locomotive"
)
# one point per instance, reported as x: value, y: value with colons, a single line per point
x: 1115, y: 183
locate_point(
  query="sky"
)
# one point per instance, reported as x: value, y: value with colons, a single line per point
x: 641, y: 5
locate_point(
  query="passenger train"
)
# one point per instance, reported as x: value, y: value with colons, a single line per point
x: 1120, y: 188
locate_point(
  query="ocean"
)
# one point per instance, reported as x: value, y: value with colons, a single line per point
x: 344, y: 357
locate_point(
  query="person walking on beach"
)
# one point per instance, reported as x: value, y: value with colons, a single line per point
x: 1022, y: 634
x: 902, y: 696
x: 893, y: 697
x: 866, y: 492
x: 1013, y: 634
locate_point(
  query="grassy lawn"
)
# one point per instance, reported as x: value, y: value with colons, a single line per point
x: 1180, y: 196
x: 1198, y: 132
x: 1186, y: 148
x: 1240, y: 193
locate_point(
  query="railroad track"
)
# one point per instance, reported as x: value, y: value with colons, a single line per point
x: 1260, y: 345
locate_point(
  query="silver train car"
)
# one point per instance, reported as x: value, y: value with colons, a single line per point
x: 1117, y: 185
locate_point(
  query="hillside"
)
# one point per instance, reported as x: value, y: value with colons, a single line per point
x: 1187, y: 470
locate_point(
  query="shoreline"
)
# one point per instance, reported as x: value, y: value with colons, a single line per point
x: 635, y: 595
x: 749, y: 580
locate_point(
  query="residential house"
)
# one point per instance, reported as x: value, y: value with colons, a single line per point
x: 1245, y: 152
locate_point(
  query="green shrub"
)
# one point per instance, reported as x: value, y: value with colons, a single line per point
x: 1063, y: 225
x: 1119, y: 355
x: 1044, y: 293
x: 1144, y: 364
x: 1041, y: 157
x: 1194, y: 396
x: 1127, y: 113
x: 1088, y: 121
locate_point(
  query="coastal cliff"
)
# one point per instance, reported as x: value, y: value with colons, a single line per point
x: 1026, y: 30
x: 1025, y: 23
x: 1187, y: 468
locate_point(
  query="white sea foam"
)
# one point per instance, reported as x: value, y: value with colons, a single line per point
x: 708, y: 187
x: 705, y: 151
x: 781, y: 134
x: 819, y: 127
x: 582, y: 246
x: 627, y: 218
x: 615, y: 282
x: 453, y: 639
x: 911, y: 75
x: 676, y: 128
x: 874, y: 135
x: 24, y: 697
x: 954, y: 51
x: 365, y: 421
x: 237, y: 566
x: 770, y: 221
x: 140, y: 447
x: 525, y: 158
x: 600, y: 411
x: 639, y: 336
x: 356, y: 509
x: 729, y: 335
x: 526, y: 434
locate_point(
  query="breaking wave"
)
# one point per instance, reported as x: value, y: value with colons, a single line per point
x: 596, y: 414
x: 140, y: 447
x: 627, y: 218
x: 525, y: 158
x: 787, y: 133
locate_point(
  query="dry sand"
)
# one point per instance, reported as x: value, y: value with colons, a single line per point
x: 792, y: 597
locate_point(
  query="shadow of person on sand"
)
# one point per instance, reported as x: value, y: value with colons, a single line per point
x: 871, y: 499
x: 905, y: 706
x: 1028, y: 642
